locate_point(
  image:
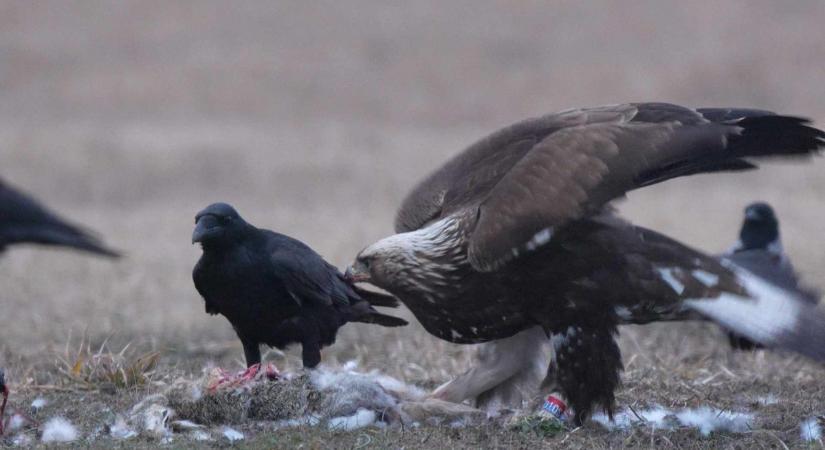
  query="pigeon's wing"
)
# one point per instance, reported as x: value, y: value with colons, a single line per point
x: 774, y: 269
x: 24, y: 220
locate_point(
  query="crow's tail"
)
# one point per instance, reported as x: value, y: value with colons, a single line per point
x: 384, y: 320
x: 376, y: 298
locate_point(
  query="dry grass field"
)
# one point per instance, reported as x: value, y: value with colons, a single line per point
x: 314, y: 118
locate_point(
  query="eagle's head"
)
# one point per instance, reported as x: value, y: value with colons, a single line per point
x: 417, y: 260
x: 386, y: 263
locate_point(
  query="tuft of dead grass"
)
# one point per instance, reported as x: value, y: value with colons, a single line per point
x: 103, y: 368
x: 543, y: 427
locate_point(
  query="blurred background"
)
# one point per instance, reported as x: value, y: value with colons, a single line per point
x: 315, y: 118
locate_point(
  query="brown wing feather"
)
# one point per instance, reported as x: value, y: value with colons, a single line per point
x: 470, y: 175
x: 545, y: 172
x: 571, y: 174
x: 576, y: 171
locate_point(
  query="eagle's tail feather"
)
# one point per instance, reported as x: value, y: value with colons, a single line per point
x: 776, y: 136
x: 760, y: 134
x: 767, y: 315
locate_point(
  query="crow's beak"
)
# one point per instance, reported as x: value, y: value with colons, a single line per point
x: 357, y: 273
x: 205, y: 226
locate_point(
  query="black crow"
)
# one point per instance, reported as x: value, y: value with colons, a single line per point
x: 274, y: 289
x: 4, y: 391
x: 24, y: 220
x: 517, y: 231
x: 759, y: 250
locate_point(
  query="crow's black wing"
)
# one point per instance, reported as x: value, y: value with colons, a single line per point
x: 307, y: 277
x: 24, y: 220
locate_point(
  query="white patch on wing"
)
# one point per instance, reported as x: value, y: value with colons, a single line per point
x: 706, y: 278
x: 540, y: 238
x: 624, y: 313
x: 670, y: 279
x: 455, y: 334
x: 765, y: 315
x: 557, y: 340
x: 560, y: 339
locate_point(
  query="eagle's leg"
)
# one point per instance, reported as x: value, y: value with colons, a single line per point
x: 585, y: 369
x: 522, y: 388
x: 496, y: 365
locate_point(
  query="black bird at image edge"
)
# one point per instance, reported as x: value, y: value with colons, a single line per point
x: 23, y: 220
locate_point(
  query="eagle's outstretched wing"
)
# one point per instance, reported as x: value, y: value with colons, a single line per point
x: 535, y: 176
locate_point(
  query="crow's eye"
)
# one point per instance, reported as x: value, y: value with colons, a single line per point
x: 226, y: 219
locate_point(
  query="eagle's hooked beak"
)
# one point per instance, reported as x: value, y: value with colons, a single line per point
x: 358, y: 272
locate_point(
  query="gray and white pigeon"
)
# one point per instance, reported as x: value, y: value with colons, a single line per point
x: 759, y: 250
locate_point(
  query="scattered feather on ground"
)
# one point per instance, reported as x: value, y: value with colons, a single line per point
x: 705, y: 419
x: 59, y: 429
x: 810, y: 430
x: 342, y: 397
